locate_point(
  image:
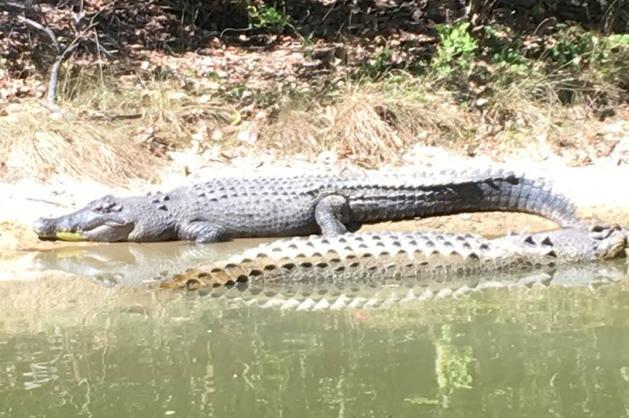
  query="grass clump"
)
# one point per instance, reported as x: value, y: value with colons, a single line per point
x: 37, y: 145
x: 368, y: 122
x: 579, y: 64
x: 376, y: 66
x: 486, y: 89
x: 111, y: 131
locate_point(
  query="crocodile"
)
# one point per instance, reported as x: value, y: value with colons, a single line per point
x: 149, y: 265
x: 430, y: 261
x: 226, y: 208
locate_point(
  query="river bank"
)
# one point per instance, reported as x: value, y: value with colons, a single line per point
x: 596, y: 190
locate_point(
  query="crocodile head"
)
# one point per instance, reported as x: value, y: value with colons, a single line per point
x: 108, y: 219
x: 598, y: 241
x: 609, y: 240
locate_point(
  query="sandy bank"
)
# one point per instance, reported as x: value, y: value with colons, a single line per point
x: 598, y: 191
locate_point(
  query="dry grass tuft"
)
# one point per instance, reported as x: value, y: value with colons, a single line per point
x: 547, y: 111
x: 161, y: 110
x: 522, y: 110
x: 368, y: 123
x: 377, y: 122
x: 111, y: 132
x: 363, y: 124
x: 38, y: 144
x: 120, y: 125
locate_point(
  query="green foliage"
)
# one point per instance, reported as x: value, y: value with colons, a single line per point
x: 504, y: 51
x: 456, y: 51
x: 612, y: 60
x: 573, y: 46
x: 502, y: 48
x: 589, y: 55
x: 620, y: 40
x: 378, y: 65
x: 269, y: 18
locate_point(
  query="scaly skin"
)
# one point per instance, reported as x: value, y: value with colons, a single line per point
x: 290, y: 206
x: 392, y: 292
x: 424, y: 257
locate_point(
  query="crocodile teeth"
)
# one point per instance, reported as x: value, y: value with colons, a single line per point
x: 409, y: 297
x: 372, y: 303
x: 390, y: 302
x: 491, y: 284
x: 531, y: 280
x: 357, y: 302
x: 463, y: 291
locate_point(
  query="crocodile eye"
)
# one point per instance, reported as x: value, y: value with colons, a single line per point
x: 106, y: 204
x: 110, y: 205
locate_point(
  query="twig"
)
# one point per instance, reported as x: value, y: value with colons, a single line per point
x: 250, y: 27
x: 114, y: 116
x: 542, y: 24
x: 100, y: 62
x: 13, y: 6
x: 54, y: 73
x: 609, y: 16
x: 42, y: 28
x: 62, y: 54
x: 50, y: 202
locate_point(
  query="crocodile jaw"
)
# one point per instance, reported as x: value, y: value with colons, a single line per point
x: 70, y: 236
x: 64, y: 229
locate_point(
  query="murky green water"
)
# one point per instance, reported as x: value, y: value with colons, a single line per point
x: 551, y: 353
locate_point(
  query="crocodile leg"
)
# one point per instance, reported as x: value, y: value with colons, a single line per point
x: 329, y: 212
x: 201, y: 232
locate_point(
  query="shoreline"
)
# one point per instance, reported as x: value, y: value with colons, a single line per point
x: 594, y: 189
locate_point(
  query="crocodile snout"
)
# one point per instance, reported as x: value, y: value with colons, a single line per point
x: 44, y: 227
x: 51, y: 227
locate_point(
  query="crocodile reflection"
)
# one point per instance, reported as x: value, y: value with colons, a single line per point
x: 133, y: 264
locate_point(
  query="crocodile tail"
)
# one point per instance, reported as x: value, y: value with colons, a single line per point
x: 501, y: 189
x: 538, y: 196
x: 449, y: 192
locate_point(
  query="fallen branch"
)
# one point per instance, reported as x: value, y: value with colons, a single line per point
x: 62, y: 53
x: 50, y: 202
x: 42, y: 28
x: 53, y: 81
x: 111, y: 117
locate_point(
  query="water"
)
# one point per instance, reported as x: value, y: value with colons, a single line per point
x: 73, y: 348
